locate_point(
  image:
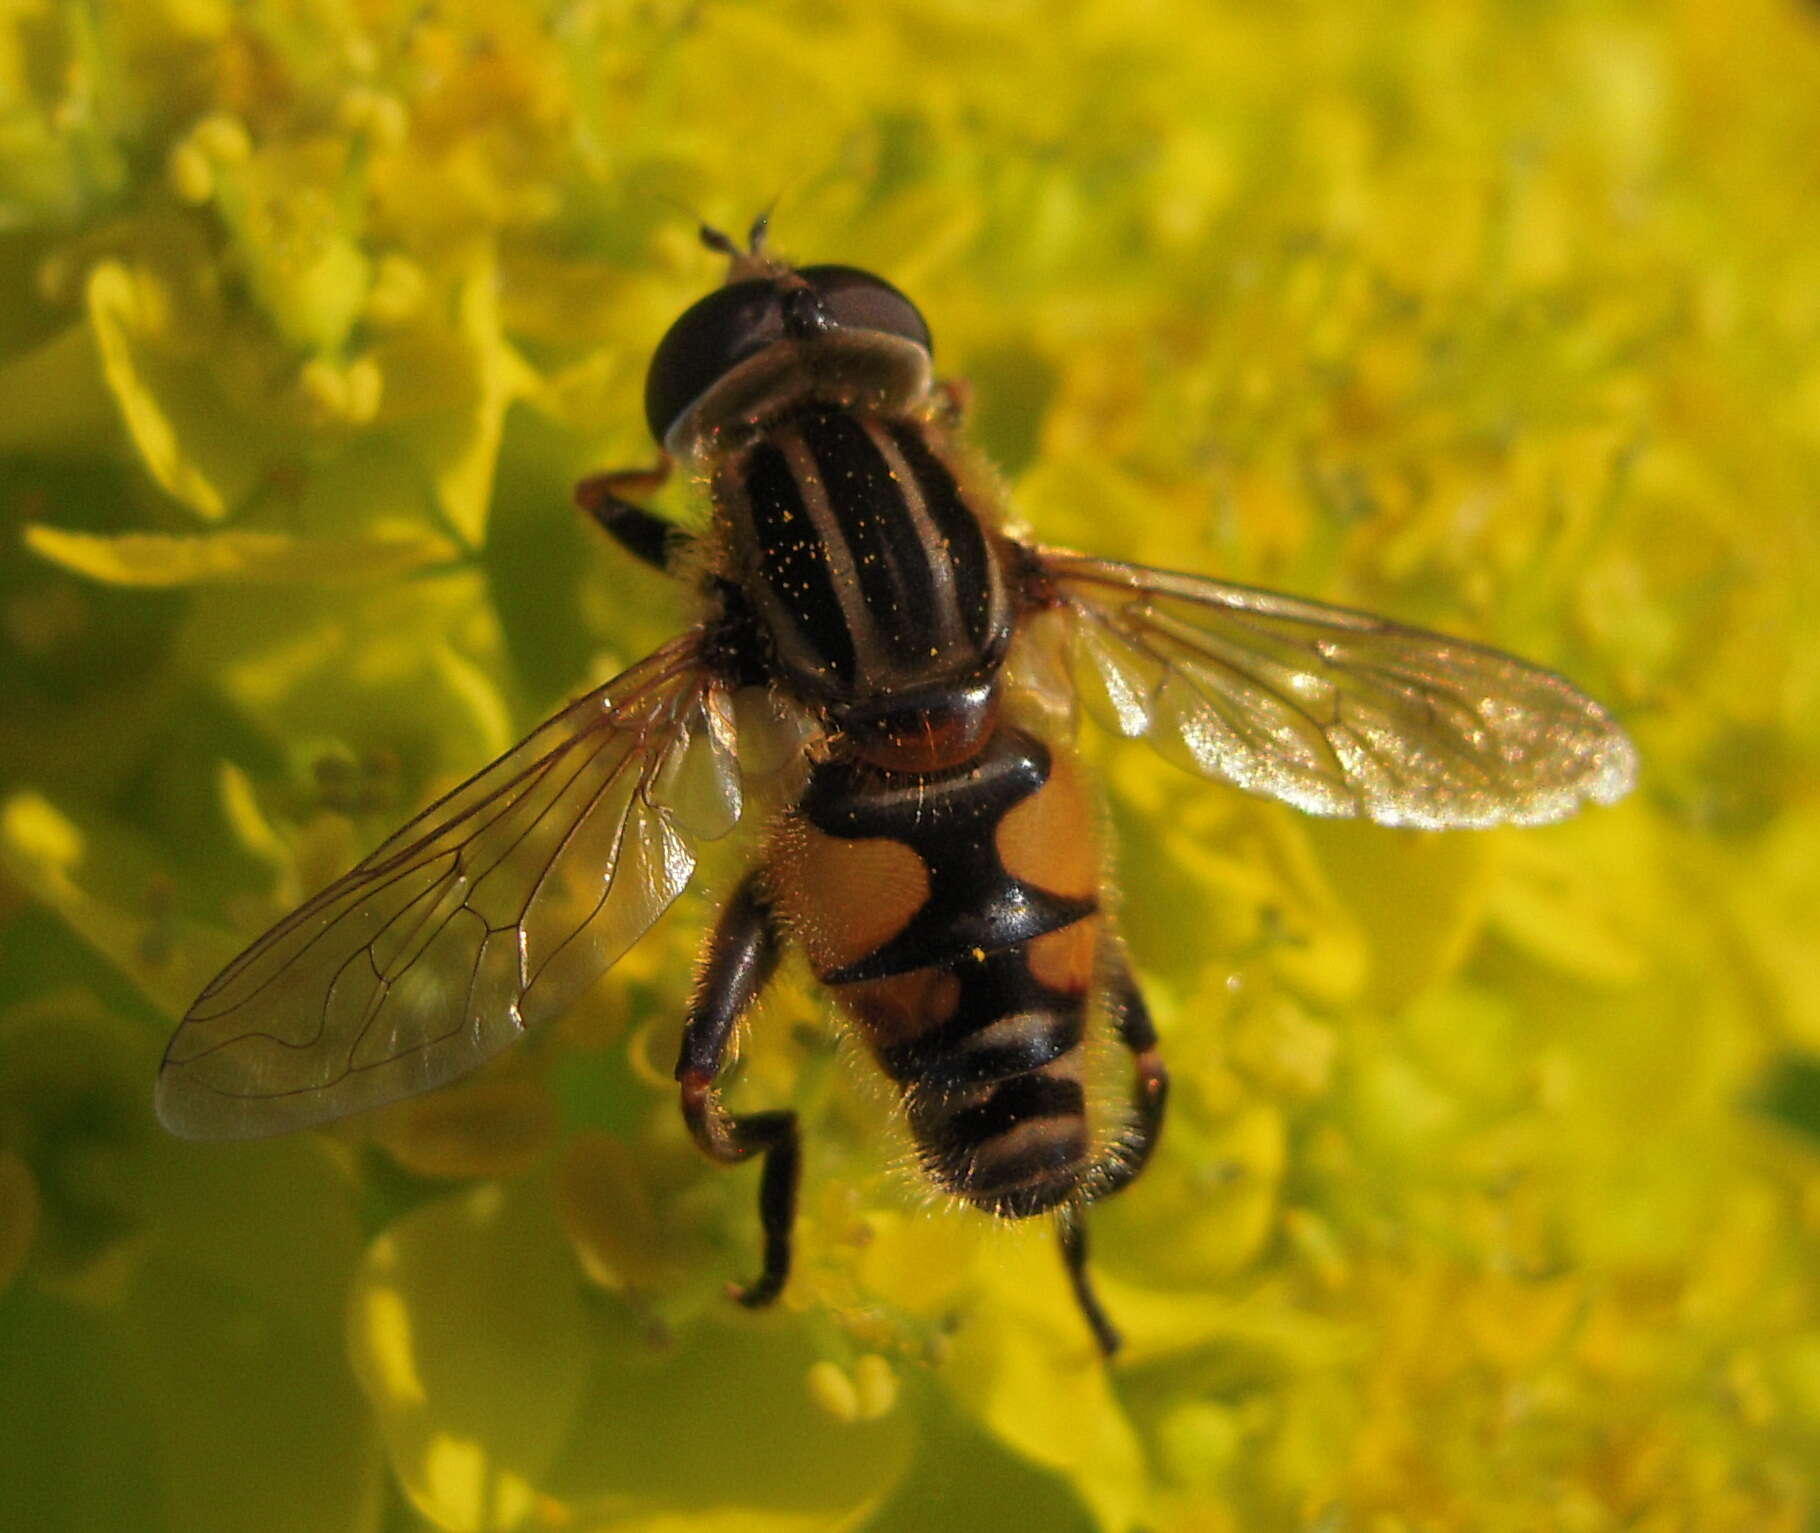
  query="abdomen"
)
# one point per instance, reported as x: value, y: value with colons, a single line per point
x: 955, y: 916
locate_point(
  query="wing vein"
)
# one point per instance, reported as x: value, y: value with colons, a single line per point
x: 483, y: 915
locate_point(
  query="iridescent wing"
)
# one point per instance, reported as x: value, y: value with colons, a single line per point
x: 489, y: 912
x: 1333, y: 711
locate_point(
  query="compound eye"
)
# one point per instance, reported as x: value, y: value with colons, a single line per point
x: 857, y: 300
x: 712, y: 337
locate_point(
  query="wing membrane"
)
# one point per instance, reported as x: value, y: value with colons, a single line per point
x: 488, y: 913
x: 1334, y: 711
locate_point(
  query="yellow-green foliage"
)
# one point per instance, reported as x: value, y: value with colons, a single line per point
x: 1492, y: 1195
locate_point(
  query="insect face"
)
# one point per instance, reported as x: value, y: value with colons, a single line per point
x: 940, y: 865
x: 747, y: 347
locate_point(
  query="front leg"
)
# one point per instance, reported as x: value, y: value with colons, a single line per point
x: 741, y: 956
x: 641, y: 533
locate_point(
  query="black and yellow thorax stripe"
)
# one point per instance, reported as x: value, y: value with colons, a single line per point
x: 864, y: 559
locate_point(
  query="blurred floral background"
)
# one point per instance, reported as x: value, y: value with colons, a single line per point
x: 1491, y: 1198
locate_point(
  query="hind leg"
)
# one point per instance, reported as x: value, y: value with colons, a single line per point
x: 741, y: 956
x: 1150, y: 1088
x: 1071, y: 1232
x: 1127, y: 1155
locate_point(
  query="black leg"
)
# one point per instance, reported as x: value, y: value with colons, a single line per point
x: 773, y: 1133
x: 1150, y: 1094
x: 741, y: 956
x: 638, y: 531
x: 1127, y: 1154
x: 1071, y: 1226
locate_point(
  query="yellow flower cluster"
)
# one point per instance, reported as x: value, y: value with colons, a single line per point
x: 1491, y: 1194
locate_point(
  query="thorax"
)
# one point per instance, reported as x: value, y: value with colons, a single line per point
x: 871, y: 566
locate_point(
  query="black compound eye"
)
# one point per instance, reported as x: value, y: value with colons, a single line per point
x: 857, y: 300
x: 710, y: 338
x: 732, y: 323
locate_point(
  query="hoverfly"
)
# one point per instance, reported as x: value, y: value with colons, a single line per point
x: 865, y: 618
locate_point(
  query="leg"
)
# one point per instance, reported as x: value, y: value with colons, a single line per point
x: 635, y: 529
x: 1071, y: 1227
x: 1151, y: 1089
x: 1127, y: 1155
x: 741, y: 956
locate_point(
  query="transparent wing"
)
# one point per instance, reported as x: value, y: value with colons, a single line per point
x: 489, y: 912
x: 1333, y: 711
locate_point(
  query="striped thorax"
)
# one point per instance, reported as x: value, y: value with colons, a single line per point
x: 875, y: 580
x: 843, y: 514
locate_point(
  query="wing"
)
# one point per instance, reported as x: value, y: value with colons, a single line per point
x: 1333, y: 711
x: 490, y: 911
